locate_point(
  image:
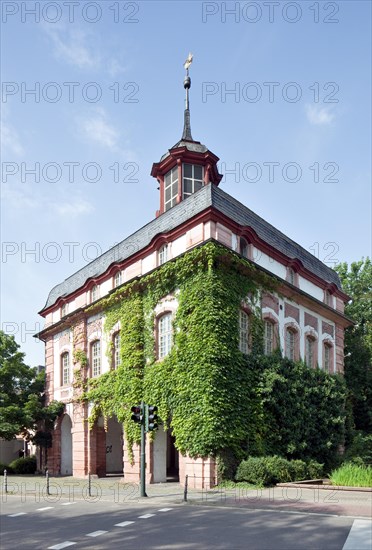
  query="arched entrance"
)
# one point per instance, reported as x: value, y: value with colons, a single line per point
x: 114, y: 447
x: 66, y: 446
x: 172, y: 458
x: 160, y: 456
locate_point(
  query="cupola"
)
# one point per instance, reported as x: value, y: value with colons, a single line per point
x: 187, y: 166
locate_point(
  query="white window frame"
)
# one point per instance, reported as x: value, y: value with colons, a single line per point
x: 165, y: 335
x: 117, y: 279
x: 328, y: 366
x: 116, y: 349
x: 309, y: 351
x: 163, y: 254
x: 328, y: 298
x: 269, y: 337
x: 290, y: 343
x: 64, y: 310
x: 96, y: 358
x: 243, y: 247
x: 94, y: 293
x: 172, y: 185
x: 192, y: 179
x: 65, y: 367
x: 244, y: 332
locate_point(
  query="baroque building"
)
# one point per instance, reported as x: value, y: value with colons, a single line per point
x: 304, y: 316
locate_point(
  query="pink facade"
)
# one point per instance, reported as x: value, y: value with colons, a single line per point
x: 192, y: 211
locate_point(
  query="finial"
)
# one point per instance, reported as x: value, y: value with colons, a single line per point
x: 187, y: 84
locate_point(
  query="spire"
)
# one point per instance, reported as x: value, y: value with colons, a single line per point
x: 186, y: 135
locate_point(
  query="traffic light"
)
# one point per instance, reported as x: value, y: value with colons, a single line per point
x: 151, y: 418
x: 137, y: 415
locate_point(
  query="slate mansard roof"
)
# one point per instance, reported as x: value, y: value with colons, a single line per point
x: 208, y: 196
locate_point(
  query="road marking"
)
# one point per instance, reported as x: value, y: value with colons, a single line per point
x: 61, y: 545
x: 96, y: 533
x: 46, y: 508
x: 145, y: 516
x: 16, y: 515
x: 123, y: 523
x: 165, y: 509
x: 360, y: 537
x: 67, y: 503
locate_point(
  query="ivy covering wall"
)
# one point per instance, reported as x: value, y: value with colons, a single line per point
x: 216, y: 400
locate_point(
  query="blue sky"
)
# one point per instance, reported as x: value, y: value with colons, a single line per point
x: 295, y: 129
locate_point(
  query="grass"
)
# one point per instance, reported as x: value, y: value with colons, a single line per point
x: 352, y: 475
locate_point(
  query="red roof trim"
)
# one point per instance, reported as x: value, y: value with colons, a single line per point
x: 210, y: 214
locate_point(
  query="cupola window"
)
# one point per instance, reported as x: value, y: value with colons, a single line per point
x: 171, y: 188
x: 192, y: 179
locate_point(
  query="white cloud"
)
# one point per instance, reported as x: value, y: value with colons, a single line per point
x: 17, y: 198
x: 20, y: 197
x: 96, y: 128
x: 10, y: 140
x: 115, y: 68
x: 74, y: 46
x: 319, y: 115
x: 73, y: 209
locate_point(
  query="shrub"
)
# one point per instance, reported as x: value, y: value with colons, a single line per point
x: 265, y: 471
x: 298, y: 470
x: 352, y: 475
x: 254, y: 470
x: 268, y: 470
x: 314, y: 470
x: 281, y: 469
x: 26, y: 465
x: 360, y: 448
x: 5, y: 467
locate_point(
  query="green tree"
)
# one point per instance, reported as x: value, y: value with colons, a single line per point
x: 356, y: 281
x: 22, y: 407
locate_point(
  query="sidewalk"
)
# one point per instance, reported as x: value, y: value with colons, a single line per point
x: 114, y: 489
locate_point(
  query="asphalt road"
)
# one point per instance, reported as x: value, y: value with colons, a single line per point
x: 150, y: 525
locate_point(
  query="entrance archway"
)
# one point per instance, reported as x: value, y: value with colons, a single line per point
x: 114, y: 447
x: 172, y: 458
x: 66, y: 446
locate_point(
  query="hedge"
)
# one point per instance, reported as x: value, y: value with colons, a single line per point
x: 269, y: 470
x: 25, y: 465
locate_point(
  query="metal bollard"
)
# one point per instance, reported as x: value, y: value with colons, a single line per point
x: 185, y: 489
x: 5, y: 481
x: 47, y: 481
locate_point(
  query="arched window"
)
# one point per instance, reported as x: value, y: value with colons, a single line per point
x: 163, y: 254
x: 309, y: 351
x: 269, y: 337
x: 290, y: 343
x: 65, y: 369
x: 165, y: 336
x: 327, y: 357
x: 96, y: 358
x: 243, y: 247
x: 94, y: 293
x: 116, y: 350
x: 117, y: 279
x: 243, y: 332
x: 64, y: 310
